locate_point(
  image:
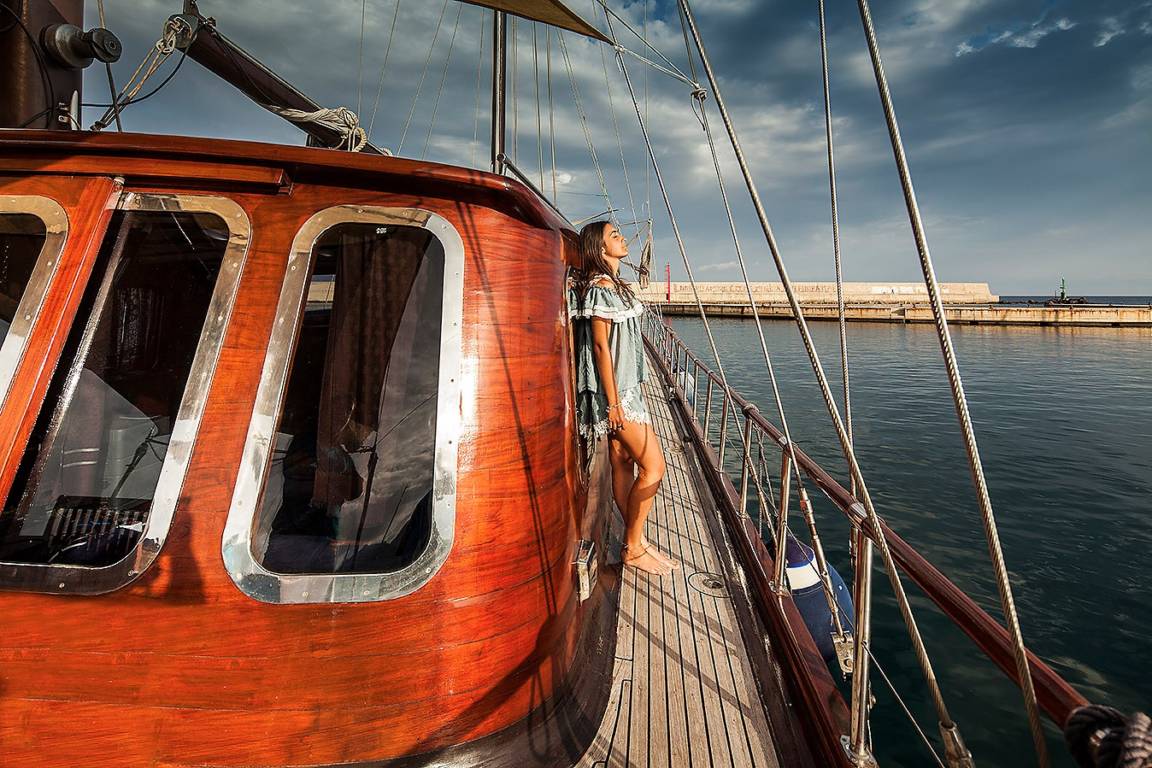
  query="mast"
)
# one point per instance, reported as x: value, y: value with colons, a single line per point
x: 43, y: 51
x: 499, y: 87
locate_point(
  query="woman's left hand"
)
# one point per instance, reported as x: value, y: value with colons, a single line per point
x: 615, y: 418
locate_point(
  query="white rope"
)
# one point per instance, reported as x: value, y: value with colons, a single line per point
x: 341, y: 119
x: 152, y: 61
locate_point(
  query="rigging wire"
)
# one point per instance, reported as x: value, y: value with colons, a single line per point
x: 790, y: 445
x: 359, y: 55
x: 860, y: 547
x: 443, y: 78
x: 729, y: 401
x: 539, y: 128
x: 479, y: 81
x: 584, y: 122
x: 647, y: 168
x: 551, y: 111
x: 654, y: 65
x: 167, y: 79
x: 959, y: 398
x: 384, y: 68
x: 619, y: 140
x: 947, y: 725
x: 835, y: 228
x: 423, y: 74
x: 675, y: 71
x: 904, y: 706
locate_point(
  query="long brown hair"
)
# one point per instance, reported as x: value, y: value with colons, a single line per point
x: 592, y: 251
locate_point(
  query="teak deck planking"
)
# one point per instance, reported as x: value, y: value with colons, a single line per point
x: 685, y: 694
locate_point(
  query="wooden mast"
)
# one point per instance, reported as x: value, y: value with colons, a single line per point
x: 28, y: 93
x: 499, y: 85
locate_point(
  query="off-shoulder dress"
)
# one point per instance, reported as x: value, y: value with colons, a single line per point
x: 627, y: 349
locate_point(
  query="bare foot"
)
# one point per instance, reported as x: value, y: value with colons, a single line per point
x: 668, y: 560
x: 644, y: 561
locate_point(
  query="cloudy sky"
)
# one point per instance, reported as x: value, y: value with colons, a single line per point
x: 1028, y: 123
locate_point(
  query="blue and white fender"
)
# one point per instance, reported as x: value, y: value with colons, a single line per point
x: 808, y: 595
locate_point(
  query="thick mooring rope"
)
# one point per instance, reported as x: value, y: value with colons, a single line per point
x: 1101, y: 737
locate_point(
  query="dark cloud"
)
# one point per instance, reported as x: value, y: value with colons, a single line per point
x: 1026, y: 122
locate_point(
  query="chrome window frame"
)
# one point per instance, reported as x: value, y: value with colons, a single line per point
x: 251, y: 577
x: 90, y: 580
x: 56, y: 225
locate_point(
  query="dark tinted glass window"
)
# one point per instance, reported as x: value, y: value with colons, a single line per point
x: 85, y: 487
x: 22, y: 237
x: 349, y: 489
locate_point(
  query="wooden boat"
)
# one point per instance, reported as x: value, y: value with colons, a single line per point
x: 236, y: 535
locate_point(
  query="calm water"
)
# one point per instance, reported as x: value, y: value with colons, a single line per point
x: 1064, y: 422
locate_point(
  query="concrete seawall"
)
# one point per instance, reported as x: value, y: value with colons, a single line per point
x: 820, y: 293
x: 965, y: 304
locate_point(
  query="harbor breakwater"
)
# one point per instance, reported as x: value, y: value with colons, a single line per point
x: 965, y: 304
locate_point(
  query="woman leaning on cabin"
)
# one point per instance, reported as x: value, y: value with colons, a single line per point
x: 610, y: 368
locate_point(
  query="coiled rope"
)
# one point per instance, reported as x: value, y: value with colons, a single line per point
x: 340, y: 119
x: 1101, y: 737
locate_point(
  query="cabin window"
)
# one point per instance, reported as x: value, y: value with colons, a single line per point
x: 350, y: 486
x: 32, y: 234
x: 121, y: 405
x: 359, y: 470
x: 22, y: 238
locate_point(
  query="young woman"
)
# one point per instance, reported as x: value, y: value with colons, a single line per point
x: 610, y: 368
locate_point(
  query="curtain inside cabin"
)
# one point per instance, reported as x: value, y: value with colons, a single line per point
x: 350, y: 485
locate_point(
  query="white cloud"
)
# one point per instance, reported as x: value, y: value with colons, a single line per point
x: 1109, y: 29
x: 718, y: 267
x: 1016, y: 36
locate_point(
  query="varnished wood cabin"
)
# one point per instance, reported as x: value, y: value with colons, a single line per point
x: 198, y: 350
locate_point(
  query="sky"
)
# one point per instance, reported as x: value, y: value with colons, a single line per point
x: 1027, y: 123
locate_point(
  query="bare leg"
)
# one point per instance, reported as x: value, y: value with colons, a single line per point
x: 623, y: 473
x: 623, y: 478
x: 641, y: 445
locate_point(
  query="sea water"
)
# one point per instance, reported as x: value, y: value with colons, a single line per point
x: 1063, y: 418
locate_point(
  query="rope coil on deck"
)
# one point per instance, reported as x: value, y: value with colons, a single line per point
x: 1101, y: 737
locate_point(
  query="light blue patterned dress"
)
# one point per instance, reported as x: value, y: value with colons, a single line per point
x: 627, y: 348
